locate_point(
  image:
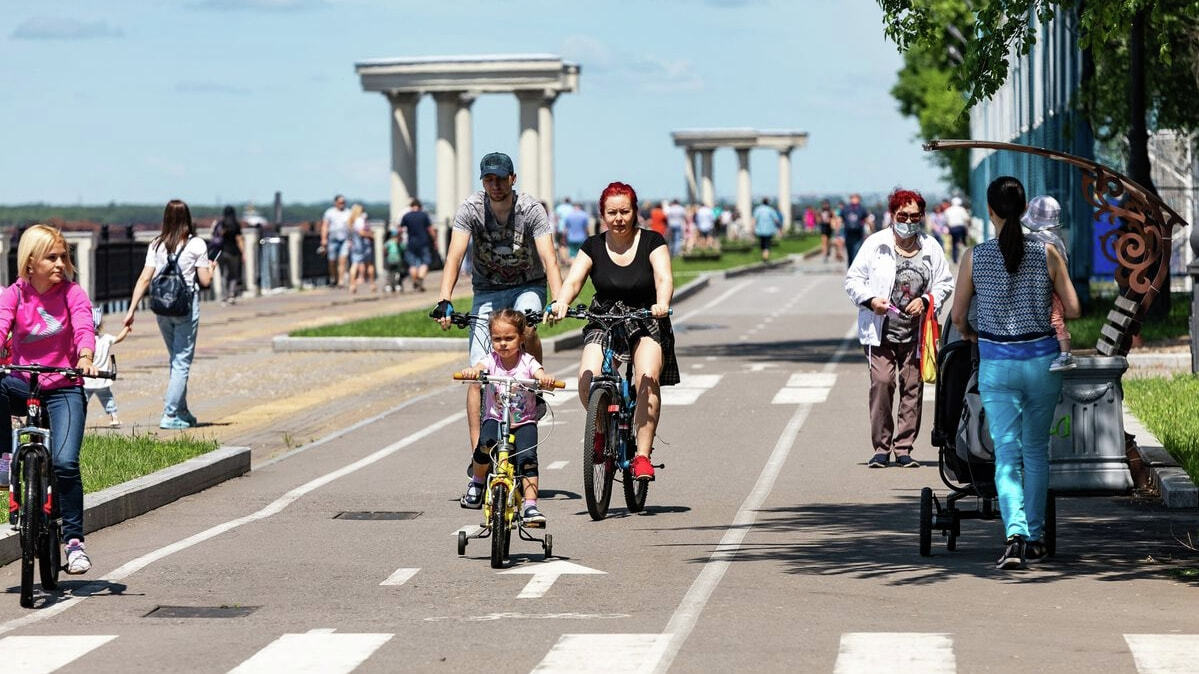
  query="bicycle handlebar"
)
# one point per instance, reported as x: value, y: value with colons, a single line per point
x: 464, y: 320
x: 581, y: 311
x: 72, y: 372
x: 500, y: 379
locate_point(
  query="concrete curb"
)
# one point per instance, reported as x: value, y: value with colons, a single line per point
x: 1172, y: 361
x: 563, y: 342
x: 1172, y: 482
x: 137, y: 497
x: 757, y: 267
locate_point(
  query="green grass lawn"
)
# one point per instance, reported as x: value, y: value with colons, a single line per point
x: 416, y: 323
x: 1084, y: 331
x: 109, y: 459
x: 1169, y: 408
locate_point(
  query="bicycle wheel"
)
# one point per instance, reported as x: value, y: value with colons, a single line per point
x: 635, y: 491
x: 30, y: 524
x: 49, y: 555
x: 597, y: 461
x: 499, y: 527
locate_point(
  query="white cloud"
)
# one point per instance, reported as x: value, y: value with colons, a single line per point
x: 63, y: 28
x: 646, y: 71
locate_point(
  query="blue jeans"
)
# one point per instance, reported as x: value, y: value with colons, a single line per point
x: 179, y: 333
x: 106, y: 398
x: 1019, y: 397
x: 521, y: 298
x: 67, y: 410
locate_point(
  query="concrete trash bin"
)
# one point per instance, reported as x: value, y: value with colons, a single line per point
x: 1086, y: 448
x: 269, y: 272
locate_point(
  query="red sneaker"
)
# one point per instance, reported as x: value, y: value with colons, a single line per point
x: 642, y: 468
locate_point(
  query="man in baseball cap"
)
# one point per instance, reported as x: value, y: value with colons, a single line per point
x: 511, y: 241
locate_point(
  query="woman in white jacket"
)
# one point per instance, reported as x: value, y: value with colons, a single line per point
x: 896, y: 273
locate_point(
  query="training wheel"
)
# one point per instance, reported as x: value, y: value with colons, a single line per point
x: 461, y: 543
x: 548, y: 546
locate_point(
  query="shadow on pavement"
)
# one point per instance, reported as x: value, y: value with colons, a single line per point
x: 793, y: 351
x: 1103, y: 538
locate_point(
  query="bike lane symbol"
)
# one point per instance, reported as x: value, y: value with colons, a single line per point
x: 545, y: 574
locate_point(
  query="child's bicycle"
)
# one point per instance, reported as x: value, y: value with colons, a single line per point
x: 35, y: 512
x: 504, y: 495
x: 609, y: 436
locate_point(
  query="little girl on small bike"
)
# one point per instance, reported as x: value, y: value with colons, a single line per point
x: 508, y: 358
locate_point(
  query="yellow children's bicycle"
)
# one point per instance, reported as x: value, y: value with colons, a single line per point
x: 504, y: 495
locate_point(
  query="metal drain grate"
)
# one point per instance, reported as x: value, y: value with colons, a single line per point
x: 378, y: 515
x: 201, y: 611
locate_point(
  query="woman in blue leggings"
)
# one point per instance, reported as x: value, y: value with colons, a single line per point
x: 1014, y: 279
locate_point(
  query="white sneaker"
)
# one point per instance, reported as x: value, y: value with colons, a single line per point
x: 1063, y: 362
x: 77, y: 560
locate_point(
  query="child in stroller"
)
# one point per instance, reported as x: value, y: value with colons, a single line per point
x: 966, y: 455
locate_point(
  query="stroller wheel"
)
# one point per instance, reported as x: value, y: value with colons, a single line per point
x: 951, y: 543
x: 926, y: 522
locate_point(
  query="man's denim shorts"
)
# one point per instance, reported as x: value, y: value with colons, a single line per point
x: 522, y: 298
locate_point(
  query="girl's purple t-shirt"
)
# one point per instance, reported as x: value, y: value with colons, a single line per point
x: 526, y: 411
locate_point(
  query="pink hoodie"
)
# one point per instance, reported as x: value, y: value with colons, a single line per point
x: 48, y: 329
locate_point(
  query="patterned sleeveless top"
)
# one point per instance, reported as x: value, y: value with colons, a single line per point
x: 1013, y: 309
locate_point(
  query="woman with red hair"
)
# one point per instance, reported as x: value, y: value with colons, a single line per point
x: 630, y: 269
x: 896, y: 274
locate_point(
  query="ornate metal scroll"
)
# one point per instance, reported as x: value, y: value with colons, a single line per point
x: 1140, y: 245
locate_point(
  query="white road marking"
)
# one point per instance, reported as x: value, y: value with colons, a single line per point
x: 34, y: 655
x: 1163, y: 653
x: 758, y: 367
x: 557, y: 465
x: 689, y: 609
x: 720, y: 298
x: 771, y: 289
x: 513, y: 615
x: 800, y: 396
x: 697, y: 366
x: 133, y: 566
x: 744, y: 338
x: 896, y: 653
x: 400, y: 577
x: 689, y: 388
x: 545, y: 574
x: 318, y: 651
x: 813, y: 379
x: 601, y: 653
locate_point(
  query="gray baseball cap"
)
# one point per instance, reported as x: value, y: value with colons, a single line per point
x: 496, y: 163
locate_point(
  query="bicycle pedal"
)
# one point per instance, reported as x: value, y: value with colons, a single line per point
x: 533, y: 525
x: 659, y: 466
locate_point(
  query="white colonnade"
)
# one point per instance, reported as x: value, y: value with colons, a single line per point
x: 704, y: 143
x: 455, y: 82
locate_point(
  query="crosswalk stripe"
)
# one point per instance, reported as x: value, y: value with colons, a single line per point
x: 400, y: 577
x: 1163, y: 653
x: 896, y: 653
x: 34, y: 655
x: 318, y: 651
x: 689, y: 388
x: 813, y: 379
x: 600, y: 653
x: 800, y: 396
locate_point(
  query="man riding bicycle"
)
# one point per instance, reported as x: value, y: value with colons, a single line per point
x: 512, y: 246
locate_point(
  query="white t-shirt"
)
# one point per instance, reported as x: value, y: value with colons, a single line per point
x: 676, y: 216
x: 194, y: 256
x: 705, y: 219
x: 339, y: 222
x: 101, y: 359
x: 957, y: 216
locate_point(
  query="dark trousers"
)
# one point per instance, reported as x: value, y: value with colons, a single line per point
x: 895, y: 433
x: 959, y: 240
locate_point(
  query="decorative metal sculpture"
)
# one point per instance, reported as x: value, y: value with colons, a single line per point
x: 1140, y: 246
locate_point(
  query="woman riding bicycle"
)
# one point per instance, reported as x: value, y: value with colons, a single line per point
x: 50, y: 317
x: 629, y: 267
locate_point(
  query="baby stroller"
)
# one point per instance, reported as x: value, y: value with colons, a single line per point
x: 965, y: 453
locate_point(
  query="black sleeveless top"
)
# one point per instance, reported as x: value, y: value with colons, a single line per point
x: 633, y: 285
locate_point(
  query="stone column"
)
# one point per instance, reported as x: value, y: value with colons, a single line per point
x: 545, y: 140
x: 84, y: 258
x: 377, y: 234
x: 447, y: 163
x: 689, y: 174
x: 249, y: 268
x: 6, y: 275
x: 464, y: 135
x: 403, y: 151
x: 707, y: 188
x: 744, y: 188
x: 295, y: 256
x: 528, y: 178
x: 785, y: 187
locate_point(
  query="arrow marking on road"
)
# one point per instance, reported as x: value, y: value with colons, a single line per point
x: 545, y: 574
x: 557, y: 465
x: 400, y: 577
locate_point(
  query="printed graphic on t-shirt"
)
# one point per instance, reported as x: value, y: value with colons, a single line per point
x: 911, y: 281
x: 50, y: 327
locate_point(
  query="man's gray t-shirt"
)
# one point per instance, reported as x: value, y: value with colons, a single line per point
x: 505, y: 255
x: 912, y: 276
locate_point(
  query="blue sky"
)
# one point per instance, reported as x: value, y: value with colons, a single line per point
x: 232, y: 99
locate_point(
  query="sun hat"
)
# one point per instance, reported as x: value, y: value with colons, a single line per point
x: 1043, y: 212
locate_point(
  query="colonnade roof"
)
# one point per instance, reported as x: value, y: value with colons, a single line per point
x: 497, y: 73
x: 712, y: 139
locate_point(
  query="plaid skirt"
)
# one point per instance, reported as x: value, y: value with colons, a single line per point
x: 657, y: 329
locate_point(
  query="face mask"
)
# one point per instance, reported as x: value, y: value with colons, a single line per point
x: 906, y: 229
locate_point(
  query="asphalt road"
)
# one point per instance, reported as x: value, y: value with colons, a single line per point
x: 767, y: 545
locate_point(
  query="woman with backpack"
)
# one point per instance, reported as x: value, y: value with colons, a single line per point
x: 176, y: 268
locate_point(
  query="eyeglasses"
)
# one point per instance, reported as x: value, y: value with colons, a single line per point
x: 909, y: 217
